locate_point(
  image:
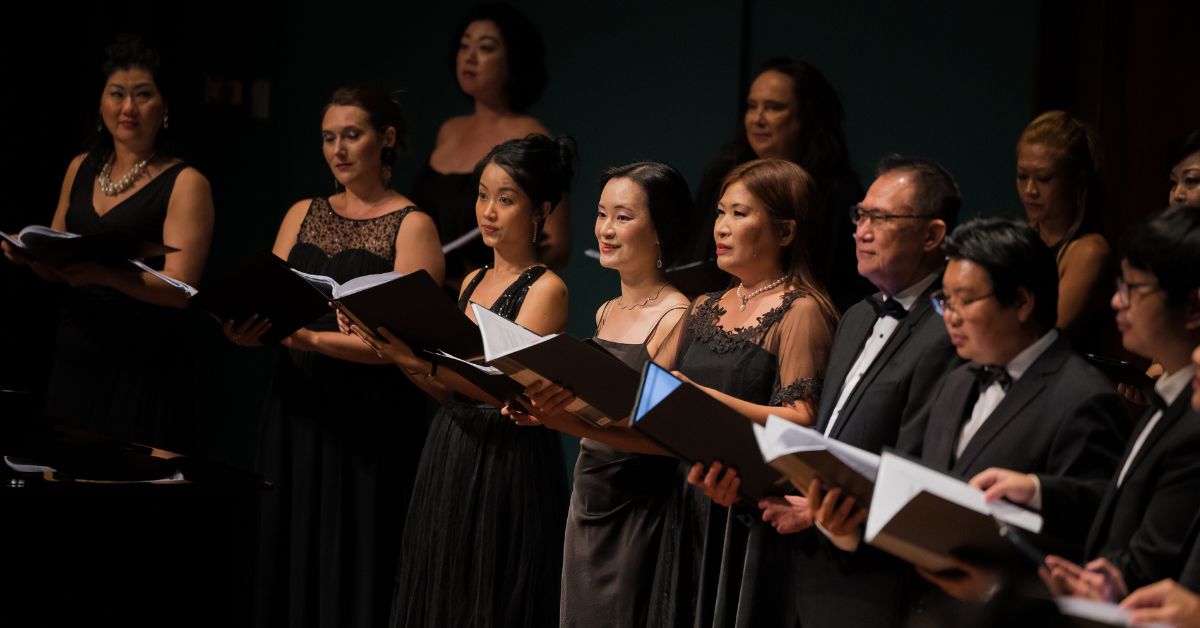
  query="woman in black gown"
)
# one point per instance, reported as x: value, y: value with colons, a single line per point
x: 121, y: 365
x: 792, y: 112
x: 761, y: 348
x: 483, y: 539
x: 499, y: 63
x: 342, y: 429
x: 624, y: 519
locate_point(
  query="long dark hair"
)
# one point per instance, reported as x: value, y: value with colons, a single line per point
x: 821, y: 147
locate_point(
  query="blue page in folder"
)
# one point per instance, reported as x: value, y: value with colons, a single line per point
x: 655, y: 387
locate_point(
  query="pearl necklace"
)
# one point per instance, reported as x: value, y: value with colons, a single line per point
x: 105, y: 177
x: 756, y: 292
x: 621, y: 301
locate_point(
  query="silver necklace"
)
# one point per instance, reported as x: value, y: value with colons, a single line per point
x: 105, y: 177
x: 621, y: 301
x: 756, y: 292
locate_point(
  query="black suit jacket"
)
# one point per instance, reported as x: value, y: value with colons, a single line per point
x: 1062, y: 420
x: 888, y: 407
x: 1142, y: 526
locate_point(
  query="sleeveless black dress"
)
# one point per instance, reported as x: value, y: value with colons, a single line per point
x: 739, y: 569
x: 623, y: 524
x: 483, y: 540
x: 340, y: 442
x: 122, y: 366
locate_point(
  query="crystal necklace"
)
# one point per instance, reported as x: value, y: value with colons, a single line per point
x: 105, y: 177
x: 621, y: 301
x: 756, y: 292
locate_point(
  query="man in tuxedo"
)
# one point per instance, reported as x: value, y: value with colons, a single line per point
x: 1025, y: 401
x: 1140, y: 531
x: 889, y: 353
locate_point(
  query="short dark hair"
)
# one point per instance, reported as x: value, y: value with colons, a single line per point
x: 936, y: 193
x: 128, y: 51
x: 541, y: 165
x: 522, y: 42
x: 1014, y: 257
x: 1167, y: 244
x: 383, y: 110
x: 667, y: 196
x: 1190, y: 145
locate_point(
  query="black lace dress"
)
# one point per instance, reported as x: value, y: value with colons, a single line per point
x: 483, y: 540
x: 623, y: 524
x: 122, y: 366
x: 735, y: 569
x: 340, y: 442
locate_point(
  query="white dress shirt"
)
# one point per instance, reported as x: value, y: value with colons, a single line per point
x: 991, y: 397
x: 885, y: 326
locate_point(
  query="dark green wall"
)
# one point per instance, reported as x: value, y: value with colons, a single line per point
x: 629, y: 80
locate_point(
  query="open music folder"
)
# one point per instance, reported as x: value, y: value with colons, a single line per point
x: 604, y: 386
x: 803, y: 454
x: 695, y: 427
x: 926, y: 517
x: 416, y: 309
x: 63, y: 247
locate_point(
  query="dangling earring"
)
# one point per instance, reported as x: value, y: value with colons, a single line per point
x: 385, y: 172
x: 658, y: 262
x: 535, y: 230
x: 166, y: 121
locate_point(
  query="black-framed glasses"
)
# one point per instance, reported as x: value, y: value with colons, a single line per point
x: 1125, y: 290
x: 859, y: 214
x: 943, y: 303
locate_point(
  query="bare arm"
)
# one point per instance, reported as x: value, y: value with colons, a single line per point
x: 1082, y: 285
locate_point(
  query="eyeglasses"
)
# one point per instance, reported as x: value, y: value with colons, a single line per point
x: 942, y: 302
x: 859, y: 214
x: 1125, y: 290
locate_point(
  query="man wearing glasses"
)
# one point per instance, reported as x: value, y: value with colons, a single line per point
x: 888, y: 356
x: 1026, y: 401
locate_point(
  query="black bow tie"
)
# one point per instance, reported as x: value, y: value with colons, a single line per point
x: 987, y: 375
x: 887, y: 307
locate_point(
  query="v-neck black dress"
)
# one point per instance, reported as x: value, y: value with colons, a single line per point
x: 122, y: 366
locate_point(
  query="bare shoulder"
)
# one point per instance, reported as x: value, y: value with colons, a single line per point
x: 549, y: 286
x: 1089, y: 249
x: 520, y: 126
x: 452, y: 127
x: 76, y: 161
x: 191, y: 180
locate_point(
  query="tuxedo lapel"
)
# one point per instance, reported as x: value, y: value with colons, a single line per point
x: 1023, y: 392
x: 856, y: 328
x: 920, y: 310
x: 947, y: 419
x: 1170, y: 416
